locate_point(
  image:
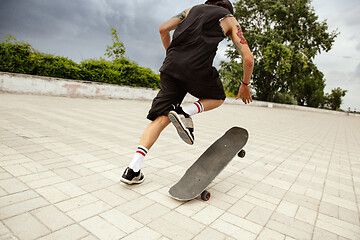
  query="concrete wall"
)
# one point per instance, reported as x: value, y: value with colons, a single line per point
x: 21, y: 83
x: 29, y: 84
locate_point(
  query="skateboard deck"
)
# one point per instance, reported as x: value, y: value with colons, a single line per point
x: 209, y: 165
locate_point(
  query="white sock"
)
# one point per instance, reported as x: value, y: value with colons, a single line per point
x: 193, y: 109
x: 138, y: 158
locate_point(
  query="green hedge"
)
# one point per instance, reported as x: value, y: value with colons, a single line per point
x: 19, y: 57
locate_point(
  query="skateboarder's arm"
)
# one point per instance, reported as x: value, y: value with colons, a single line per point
x: 232, y: 29
x: 170, y: 25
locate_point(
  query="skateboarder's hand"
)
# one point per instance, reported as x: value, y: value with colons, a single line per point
x: 244, y: 94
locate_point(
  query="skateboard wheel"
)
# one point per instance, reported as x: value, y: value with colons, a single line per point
x: 242, y: 153
x: 205, y: 195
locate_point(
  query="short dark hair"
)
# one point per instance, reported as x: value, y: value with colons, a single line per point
x: 222, y: 3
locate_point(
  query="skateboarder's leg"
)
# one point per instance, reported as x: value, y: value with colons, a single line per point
x: 181, y: 117
x: 210, y: 104
x: 153, y: 130
x: 211, y: 94
x: 201, y: 106
x: 151, y: 133
x: 149, y: 137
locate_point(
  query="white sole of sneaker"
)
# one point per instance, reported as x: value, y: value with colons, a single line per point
x: 124, y: 180
x: 181, y: 129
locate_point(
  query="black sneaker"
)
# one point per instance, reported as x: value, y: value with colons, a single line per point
x: 131, y: 177
x: 183, y: 124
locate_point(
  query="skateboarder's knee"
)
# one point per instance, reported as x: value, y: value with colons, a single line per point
x: 210, y: 104
x: 220, y: 102
x: 162, y: 120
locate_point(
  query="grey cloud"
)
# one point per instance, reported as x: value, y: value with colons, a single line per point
x: 358, y: 47
x: 137, y: 24
x: 80, y: 29
x: 51, y: 17
x: 357, y: 72
x: 352, y: 15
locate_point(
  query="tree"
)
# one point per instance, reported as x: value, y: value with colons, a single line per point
x: 117, y: 50
x: 284, y: 36
x: 334, y: 99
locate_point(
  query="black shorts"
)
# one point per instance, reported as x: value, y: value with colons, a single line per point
x: 172, y: 92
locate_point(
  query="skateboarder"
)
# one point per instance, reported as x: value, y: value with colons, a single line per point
x: 188, y: 68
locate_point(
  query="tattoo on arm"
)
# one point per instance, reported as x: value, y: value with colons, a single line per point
x: 239, y: 48
x: 181, y: 15
x: 240, y: 34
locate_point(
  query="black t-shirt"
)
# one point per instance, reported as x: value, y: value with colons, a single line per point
x: 195, y: 41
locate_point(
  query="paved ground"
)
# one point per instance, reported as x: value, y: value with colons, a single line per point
x: 61, y: 158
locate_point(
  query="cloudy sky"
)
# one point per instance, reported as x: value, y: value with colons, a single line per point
x: 80, y: 29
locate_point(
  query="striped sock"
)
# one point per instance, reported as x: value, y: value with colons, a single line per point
x: 193, y: 109
x: 138, y: 158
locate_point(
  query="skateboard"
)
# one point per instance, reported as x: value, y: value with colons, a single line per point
x: 204, y: 170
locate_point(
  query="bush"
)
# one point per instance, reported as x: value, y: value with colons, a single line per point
x: 121, y: 71
x: 54, y: 66
x: 19, y: 57
x: 15, y: 57
x: 285, y: 98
